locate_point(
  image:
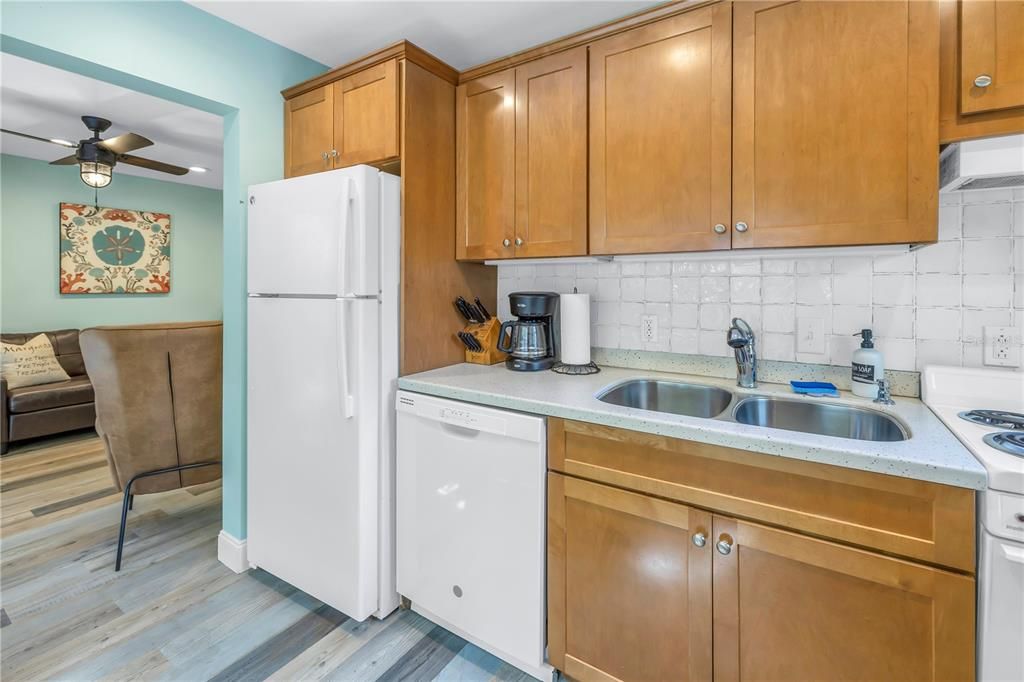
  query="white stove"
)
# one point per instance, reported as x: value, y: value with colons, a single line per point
x: 984, y: 408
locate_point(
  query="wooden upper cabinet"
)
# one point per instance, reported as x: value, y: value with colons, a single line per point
x: 954, y: 123
x: 660, y: 135
x: 366, y: 115
x: 485, y: 167
x: 789, y: 607
x: 308, y: 132
x: 992, y: 52
x: 629, y: 593
x: 551, y: 156
x: 835, y: 123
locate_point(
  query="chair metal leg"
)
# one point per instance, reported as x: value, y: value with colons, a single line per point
x: 129, y: 498
x: 126, y: 504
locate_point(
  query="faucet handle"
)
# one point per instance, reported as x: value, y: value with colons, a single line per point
x: 884, y: 393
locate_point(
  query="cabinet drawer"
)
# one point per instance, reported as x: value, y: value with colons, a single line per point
x: 901, y: 516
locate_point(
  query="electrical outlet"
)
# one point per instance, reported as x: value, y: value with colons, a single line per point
x: 649, y: 328
x: 810, y: 335
x: 1002, y: 348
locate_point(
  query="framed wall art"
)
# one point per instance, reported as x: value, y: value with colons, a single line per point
x: 114, y: 250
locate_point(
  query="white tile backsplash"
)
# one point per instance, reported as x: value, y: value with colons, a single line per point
x: 714, y: 289
x: 658, y: 289
x: 927, y: 306
x: 987, y: 220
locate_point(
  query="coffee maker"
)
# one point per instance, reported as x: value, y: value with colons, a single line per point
x: 532, y: 340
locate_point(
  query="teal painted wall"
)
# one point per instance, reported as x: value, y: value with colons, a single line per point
x: 30, y: 194
x: 175, y: 51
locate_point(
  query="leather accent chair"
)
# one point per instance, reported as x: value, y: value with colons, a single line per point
x: 47, y: 409
x: 158, y: 405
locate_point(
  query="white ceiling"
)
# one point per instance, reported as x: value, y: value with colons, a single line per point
x: 42, y: 100
x: 463, y: 34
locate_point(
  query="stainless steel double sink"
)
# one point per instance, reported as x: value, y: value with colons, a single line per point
x: 790, y: 414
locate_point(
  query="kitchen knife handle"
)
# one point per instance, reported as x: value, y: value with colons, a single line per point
x: 482, y: 309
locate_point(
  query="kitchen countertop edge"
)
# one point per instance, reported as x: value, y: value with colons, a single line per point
x: 932, y: 454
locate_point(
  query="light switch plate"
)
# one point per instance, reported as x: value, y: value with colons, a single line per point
x: 810, y: 335
x: 1001, y: 347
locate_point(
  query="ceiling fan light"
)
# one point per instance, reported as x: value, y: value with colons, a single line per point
x: 95, y: 173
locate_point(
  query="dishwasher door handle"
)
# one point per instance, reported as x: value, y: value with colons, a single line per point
x: 460, y: 431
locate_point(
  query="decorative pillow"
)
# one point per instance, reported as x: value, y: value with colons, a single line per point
x: 31, y: 363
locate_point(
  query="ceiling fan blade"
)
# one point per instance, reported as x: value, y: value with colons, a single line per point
x: 122, y: 144
x: 66, y: 161
x: 151, y: 165
x: 72, y: 145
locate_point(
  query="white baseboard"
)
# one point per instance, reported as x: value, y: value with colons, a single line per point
x: 231, y: 552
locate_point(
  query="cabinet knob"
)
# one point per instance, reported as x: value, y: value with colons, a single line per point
x: 519, y: 241
x: 983, y: 80
x: 323, y: 155
x: 720, y: 228
x: 334, y: 153
x: 741, y: 227
x: 506, y: 242
x: 724, y: 545
x: 699, y: 539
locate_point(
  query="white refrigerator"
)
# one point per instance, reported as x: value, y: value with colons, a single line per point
x: 323, y: 270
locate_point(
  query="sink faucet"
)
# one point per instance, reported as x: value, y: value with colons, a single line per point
x: 740, y: 338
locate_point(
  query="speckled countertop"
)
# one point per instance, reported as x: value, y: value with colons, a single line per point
x: 931, y: 453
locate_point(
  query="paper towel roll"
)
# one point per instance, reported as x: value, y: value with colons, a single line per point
x: 575, y: 328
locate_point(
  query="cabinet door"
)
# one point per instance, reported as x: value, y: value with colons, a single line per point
x: 629, y: 593
x: 789, y: 607
x: 835, y: 122
x: 660, y: 135
x: 366, y: 115
x: 992, y: 46
x: 486, y: 165
x: 551, y: 156
x: 308, y: 132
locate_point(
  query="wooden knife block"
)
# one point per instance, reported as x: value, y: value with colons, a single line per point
x: 486, y: 334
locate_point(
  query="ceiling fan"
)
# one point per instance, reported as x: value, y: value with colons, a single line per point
x: 96, y: 158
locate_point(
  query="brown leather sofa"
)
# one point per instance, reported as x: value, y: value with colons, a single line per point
x: 46, y: 409
x: 158, y: 405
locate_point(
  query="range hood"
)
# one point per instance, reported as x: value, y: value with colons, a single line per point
x: 993, y: 163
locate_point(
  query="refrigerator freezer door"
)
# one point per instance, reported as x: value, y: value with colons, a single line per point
x: 316, y: 235
x: 312, y: 453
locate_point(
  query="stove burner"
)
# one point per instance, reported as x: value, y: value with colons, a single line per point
x: 995, y: 418
x: 1007, y: 441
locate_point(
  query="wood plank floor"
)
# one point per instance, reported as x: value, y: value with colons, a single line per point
x: 174, y: 612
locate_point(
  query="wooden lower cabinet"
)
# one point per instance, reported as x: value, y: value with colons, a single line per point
x: 629, y: 592
x: 642, y: 588
x: 790, y: 607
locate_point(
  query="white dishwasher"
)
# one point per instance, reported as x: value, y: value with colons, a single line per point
x: 471, y: 524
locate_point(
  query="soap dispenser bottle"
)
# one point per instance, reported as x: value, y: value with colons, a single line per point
x: 868, y: 367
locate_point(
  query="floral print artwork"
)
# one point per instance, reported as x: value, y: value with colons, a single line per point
x: 114, y: 251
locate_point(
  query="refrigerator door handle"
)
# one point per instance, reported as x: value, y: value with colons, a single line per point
x: 345, y: 397
x: 343, y: 228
